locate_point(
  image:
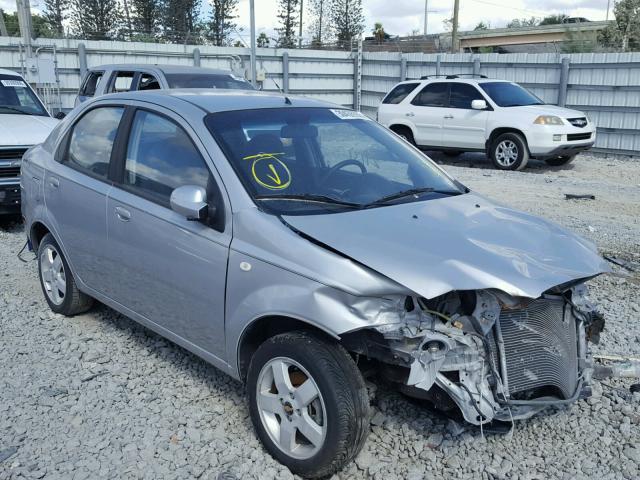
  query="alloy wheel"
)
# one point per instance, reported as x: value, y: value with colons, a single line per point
x: 507, y: 153
x: 53, y: 275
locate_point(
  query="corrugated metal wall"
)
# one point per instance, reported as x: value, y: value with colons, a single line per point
x: 604, y: 85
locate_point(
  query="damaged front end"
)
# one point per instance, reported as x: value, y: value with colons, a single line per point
x: 494, y: 356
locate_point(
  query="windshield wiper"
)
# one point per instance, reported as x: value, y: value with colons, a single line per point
x: 309, y: 198
x: 15, y: 110
x: 409, y: 193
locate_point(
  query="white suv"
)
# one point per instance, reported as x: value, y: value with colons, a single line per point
x: 500, y: 118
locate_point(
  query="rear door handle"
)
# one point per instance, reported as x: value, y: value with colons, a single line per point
x: 54, y: 182
x: 123, y: 214
x: 448, y: 116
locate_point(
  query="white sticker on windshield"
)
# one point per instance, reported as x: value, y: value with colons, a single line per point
x: 349, y: 114
x: 13, y: 83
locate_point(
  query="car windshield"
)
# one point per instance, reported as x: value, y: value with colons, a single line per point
x: 506, y: 94
x: 299, y: 160
x: 16, y: 97
x: 207, y: 80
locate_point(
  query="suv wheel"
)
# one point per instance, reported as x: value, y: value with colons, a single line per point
x: 509, y: 152
x: 57, y: 282
x: 308, y: 403
x: 405, y: 134
x: 558, y: 161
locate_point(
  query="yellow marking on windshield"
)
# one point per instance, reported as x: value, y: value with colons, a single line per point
x: 275, y: 177
x: 262, y: 155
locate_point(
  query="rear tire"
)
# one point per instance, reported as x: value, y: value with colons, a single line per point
x: 559, y: 161
x: 320, y: 391
x: 509, y: 152
x: 57, y: 282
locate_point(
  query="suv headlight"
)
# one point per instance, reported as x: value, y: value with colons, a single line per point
x: 548, y: 120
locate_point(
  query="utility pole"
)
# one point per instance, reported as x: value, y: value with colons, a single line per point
x: 426, y: 13
x: 300, y: 30
x: 454, y: 31
x: 3, y: 27
x: 608, y: 5
x: 24, y: 20
x: 252, y: 19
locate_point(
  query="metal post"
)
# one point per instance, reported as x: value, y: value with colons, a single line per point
x: 300, y: 31
x: 285, y: 72
x: 357, y: 77
x: 476, y: 66
x: 196, y: 57
x: 82, y: 59
x: 252, y: 15
x: 24, y: 19
x: 403, y: 69
x: 564, y: 82
x: 426, y: 15
x: 454, y: 31
x: 438, y: 64
x: 3, y: 27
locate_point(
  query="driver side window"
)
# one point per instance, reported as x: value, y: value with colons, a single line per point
x: 92, y: 140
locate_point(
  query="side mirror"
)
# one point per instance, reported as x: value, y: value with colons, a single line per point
x: 60, y: 115
x: 191, y: 202
x: 479, y: 104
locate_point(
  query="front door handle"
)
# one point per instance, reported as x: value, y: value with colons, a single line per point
x: 448, y: 116
x: 123, y: 214
x: 54, y: 182
x: 410, y: 114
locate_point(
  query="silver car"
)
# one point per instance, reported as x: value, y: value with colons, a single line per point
x: 296, y: 244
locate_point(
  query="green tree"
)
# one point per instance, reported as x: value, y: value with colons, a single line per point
x: 95, y: 19
x: 39, y: 23
x: 221, y: 25
x: 146, y: 19
x: 378, y: 32
x: 481, y: 26
x: 348, y: 20
x: 262, y: 41
x: 624, y: 33
x: 181, y: 21
x: 288, y: 16
x: 320, y: 31
x: 555, y: 19
x: 55, y: 13
x: 523, y: 22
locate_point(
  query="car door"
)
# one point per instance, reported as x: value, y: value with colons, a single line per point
x: 426, y: 113
x: 464, y: 127
x: 163, y: 267
x: 76, y: 191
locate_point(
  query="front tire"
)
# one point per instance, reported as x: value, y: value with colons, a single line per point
x: 509, y: 152
x: 57, y: 282
x: 404, y: 133
x: 308, y: 403
x: 559, y: 161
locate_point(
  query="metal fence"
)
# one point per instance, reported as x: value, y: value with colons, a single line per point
x: 604, y: 85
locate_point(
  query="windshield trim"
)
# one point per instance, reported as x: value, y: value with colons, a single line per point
x: 492, y: 83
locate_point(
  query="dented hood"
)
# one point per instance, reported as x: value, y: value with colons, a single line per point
x: 464, y: 242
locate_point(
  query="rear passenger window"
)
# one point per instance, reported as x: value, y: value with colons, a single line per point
x: 400, y: 93
x: 90, y: 84
x: 92, y: 140
x: 122, y: 82
x: 462, y: 94
x: 161, y: 157
x: 433, y: 95
x: 148, y: 82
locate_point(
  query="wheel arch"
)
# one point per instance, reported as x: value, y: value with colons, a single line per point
x: 496, y: 132
x: 37, y: 232
x: 397, y: 127
x: 265, y: 327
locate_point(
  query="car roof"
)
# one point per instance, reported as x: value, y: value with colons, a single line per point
x: 167, y: 69
x: 4, y: 71
x: 220, y: 100
x: 454, y: 79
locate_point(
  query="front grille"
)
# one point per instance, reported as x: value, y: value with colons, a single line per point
x: 9, y: 172
x: 12, y: 153
x: 580, y: 122
x: 578, y: 136
x: 540, y: 349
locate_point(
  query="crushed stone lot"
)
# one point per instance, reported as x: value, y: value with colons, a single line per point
x: 98, y: 396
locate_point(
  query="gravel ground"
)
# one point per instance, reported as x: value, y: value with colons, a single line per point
x: 97, y: 396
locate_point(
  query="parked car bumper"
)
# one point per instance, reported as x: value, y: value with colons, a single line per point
x: 9, y: 197
x: 549, y: 142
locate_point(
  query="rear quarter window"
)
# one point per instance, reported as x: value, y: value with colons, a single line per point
x: 399, y: 93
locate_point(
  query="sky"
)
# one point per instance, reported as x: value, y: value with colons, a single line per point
x: 401, y: 17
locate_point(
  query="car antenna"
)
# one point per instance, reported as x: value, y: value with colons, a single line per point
x: 287, y: 101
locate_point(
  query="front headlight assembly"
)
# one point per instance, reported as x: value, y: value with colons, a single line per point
x: 548, y: 120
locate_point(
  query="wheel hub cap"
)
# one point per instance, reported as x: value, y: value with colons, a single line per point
x: 53, y: 275
x: 506, y: 153
x: 291, y: 408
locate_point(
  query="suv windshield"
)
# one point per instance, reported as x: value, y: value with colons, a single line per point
x: 298, y: 160
x: 206, y: 80
x: 506, y: 94
x: 16, y: 97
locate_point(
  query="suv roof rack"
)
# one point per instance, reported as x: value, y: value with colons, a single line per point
x: 456, y: 75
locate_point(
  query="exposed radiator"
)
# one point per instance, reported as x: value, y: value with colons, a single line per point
x: 540, y: 346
